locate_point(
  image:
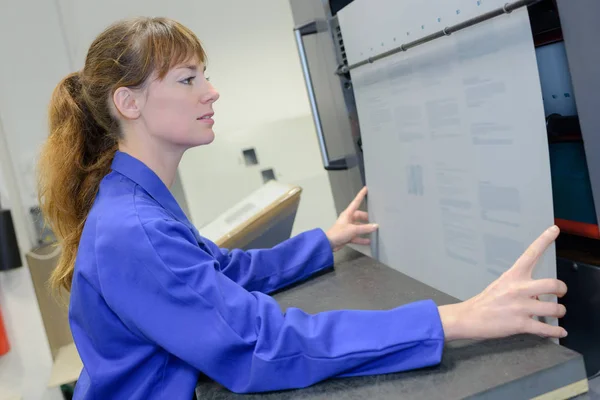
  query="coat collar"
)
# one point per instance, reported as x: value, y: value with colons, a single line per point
x: 141, y: 174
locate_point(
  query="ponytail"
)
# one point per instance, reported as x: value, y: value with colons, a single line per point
x: 73, y: 161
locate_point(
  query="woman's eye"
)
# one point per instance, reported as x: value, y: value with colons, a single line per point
x: 188, y: 81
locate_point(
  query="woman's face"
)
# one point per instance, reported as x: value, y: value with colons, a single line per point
x: 178, y: 109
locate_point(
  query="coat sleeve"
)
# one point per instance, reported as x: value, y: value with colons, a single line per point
x: 266, y: 270
x: 168, y: 290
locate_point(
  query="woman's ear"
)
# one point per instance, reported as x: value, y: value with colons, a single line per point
x: 127, y: 103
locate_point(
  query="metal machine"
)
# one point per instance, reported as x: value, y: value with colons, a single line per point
x: 321, y: 51
x: 565, y: 34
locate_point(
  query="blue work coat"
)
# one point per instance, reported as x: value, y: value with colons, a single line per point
x: 153, y: 305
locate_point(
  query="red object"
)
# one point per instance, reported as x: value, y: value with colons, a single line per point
x: 578, y: 228
x: 4, y: 345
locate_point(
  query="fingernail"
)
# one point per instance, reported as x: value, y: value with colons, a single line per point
x: 564, y: 334
x: 376, y: 226
x: 554, y: 228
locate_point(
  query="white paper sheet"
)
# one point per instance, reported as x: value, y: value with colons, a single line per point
x: 454, y: 140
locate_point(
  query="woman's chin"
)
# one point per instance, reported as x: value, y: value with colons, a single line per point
x: 207, y: 136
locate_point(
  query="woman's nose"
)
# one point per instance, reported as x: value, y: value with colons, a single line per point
x: 210, y: 95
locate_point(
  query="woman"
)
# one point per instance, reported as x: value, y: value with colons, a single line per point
x: 153, y: 304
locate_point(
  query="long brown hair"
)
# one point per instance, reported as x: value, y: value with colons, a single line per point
x: 84, y: 129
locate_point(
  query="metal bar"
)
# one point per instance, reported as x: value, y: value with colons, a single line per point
x: 309, y: 88
x: 506, y: 9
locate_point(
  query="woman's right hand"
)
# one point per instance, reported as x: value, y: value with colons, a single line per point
x: 507, y: 306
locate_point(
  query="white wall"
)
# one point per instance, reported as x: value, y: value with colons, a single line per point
x: 254, y: 64
x: 216, y: 175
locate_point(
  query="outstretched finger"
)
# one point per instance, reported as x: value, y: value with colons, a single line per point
x: 365, y: 229
x: 541, y: 329
x: 546, y: 309
x: 361, y: 215
x: 357, y: 200
x: 530, y: 257
x: 360, y: 240
x: 545, y: 286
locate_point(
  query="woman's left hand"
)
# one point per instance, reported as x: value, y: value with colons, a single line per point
x: 347, y: 229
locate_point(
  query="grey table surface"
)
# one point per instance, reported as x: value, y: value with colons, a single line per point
x: 594, y: 393
x: 515, y: 367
